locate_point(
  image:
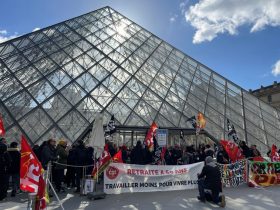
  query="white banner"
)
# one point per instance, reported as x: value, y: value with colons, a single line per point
x: 122, y: 178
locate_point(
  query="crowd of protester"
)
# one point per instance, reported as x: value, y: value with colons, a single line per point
x: 67, y: 161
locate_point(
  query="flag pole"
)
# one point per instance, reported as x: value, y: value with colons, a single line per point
x: 31, y: 201
x: 59, y: 201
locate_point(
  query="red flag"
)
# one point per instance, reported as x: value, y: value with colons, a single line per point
x: 101, y: 165
x: 162, y: 154
x: 232, y: 150
x: 2, y: 129
x: 274, y: 155
x: 42, y: 196
x: 118, y: 157
x: 30, y: 168
x: 149, y: 142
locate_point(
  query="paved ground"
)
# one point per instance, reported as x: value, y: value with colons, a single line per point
x: 239, y: 198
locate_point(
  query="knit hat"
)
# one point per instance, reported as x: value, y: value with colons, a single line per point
x: 62, y: 142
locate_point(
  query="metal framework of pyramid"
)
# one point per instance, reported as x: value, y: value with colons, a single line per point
x: 53, y: 81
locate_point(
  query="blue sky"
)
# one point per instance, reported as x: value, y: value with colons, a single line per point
x: 239, y: 39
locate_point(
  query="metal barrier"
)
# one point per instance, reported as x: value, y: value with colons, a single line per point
x: 83, y: 177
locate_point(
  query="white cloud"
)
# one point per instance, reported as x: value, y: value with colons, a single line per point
x: 213, y: 17
x: 36, y: 29
x: 3, y: 32
x: 173, y: 18
x: 183, y: 6
x: 276, y: 68
x: 5, y: 37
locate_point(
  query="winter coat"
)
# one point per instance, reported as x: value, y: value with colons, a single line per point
x: 80, y: 155
x: 62, y: 157
x: 48, y: 154
x: 15, y: 161
x: 5, y: 159
x: 137, y: 155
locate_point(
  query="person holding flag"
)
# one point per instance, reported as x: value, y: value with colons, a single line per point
x: 31, y: 175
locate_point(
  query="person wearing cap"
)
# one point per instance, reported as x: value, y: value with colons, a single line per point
x: 210, y: 178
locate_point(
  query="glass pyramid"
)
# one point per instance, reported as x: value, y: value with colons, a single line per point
x: 53, y: 81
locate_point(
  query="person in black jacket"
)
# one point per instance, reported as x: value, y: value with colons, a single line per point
x: 81, y: 158
x: 70, y: 174
x: 222, y: 156
x: 5, y: 162
x: 14, y: 168
x: 137, y: 154
x: 210, y: 178
x: 245, y: 149
x: 48, y: 153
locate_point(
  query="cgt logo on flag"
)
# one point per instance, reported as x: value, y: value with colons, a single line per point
x: 112, y: 172
x: 30, y: 169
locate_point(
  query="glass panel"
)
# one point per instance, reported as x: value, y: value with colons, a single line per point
x: 20, y: 104
x: 102, y: 95
x: 73, y: 69
x: 35, y: 123
x: 56, y: 106
x: 73, y: 125
x: 134, y: 120
x: 8, y: 87
x: 41, y: 91
x: 170, y: 113
x: 128, y: 97
x: 45, y: 66
x: 59, y: 79
x: 119, y: 109
x: 98, y: 72
x: 87, y: 82
x: 145, y: 111
x: 73, y: 93
x: 88, y: 108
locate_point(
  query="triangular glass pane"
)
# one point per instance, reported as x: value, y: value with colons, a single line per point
x: 56, y: 107
x: 20, y: 104
x: 73, y: 124
x: 54, y: 133
x: 73, y: 93
x: 41, y: 90
x: 87, y: 82
x: 35, y: 123
x: 119, y: 110
x: 88, y: 108
x: 134, y: 120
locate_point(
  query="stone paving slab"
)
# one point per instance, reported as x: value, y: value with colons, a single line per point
x: 238, y: 198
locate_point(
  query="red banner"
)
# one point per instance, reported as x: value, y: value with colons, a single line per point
x: 30, y: 168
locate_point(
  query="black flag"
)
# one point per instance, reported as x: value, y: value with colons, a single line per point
x: 111, y: 128
x: 232, y: 132
x: 193, y: 121
x: 157, y: 152
x: 181, y: 135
